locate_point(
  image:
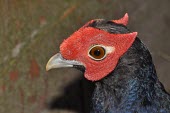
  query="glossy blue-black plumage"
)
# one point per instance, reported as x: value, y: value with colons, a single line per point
x: 133, y: 86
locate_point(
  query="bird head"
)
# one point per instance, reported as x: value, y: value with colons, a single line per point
x: 97, y: 46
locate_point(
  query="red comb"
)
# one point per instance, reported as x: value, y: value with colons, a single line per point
x: 123, y: 20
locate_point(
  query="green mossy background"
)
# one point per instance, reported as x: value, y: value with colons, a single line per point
x: 32, y: 30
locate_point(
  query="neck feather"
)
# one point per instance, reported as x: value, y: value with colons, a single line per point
x: 132, y: 82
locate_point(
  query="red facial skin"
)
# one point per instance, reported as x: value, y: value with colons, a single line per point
x: 76, y: 47
x: 123, y: 20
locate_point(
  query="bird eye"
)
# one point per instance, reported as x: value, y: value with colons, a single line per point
x: 97, y: 52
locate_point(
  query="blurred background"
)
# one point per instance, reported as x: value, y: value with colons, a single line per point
x: 31, y: 32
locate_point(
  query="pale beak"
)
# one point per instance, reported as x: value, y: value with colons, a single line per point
x: 57, y: 61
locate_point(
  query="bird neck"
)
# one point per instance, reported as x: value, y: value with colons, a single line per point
x: 122, y: 90
x: 130, y: 83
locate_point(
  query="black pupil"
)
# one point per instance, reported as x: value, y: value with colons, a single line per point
x: 97, y: 52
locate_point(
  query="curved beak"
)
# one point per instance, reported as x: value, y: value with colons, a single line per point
x: 57, y: 61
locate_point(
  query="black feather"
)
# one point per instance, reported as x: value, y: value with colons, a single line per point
x: 133, y: 86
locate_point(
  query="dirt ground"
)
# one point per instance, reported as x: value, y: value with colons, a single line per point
x: 31, y: 32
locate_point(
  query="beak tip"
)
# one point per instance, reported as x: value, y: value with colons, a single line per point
x: 48, y: 67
